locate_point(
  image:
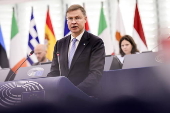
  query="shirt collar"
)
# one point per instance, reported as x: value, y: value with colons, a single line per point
x: 78, y: 37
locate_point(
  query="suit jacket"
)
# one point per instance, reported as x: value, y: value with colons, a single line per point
x: 87, y: 64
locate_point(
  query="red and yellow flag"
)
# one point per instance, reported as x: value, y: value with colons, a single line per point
x: 50, y: 39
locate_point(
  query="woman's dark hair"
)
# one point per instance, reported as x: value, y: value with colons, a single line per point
x: 132, y: 42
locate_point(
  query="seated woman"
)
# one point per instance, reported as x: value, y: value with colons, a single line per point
x: 126, y: 46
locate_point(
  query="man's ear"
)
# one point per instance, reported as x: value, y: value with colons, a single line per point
x: 85, y: 19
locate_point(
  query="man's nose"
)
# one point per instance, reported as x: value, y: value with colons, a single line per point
x: 74, y: 20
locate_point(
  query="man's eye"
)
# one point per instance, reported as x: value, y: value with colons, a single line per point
x: 77, y: 18
x: 69, y: 18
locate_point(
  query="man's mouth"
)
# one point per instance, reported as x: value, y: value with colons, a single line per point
x: 73, y: 26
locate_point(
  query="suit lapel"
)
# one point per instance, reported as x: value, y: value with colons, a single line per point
x: 65, y: 47
x: 82, y: 44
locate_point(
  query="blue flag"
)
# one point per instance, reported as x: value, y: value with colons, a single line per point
x: 66, y: 30
x: 4, y: 63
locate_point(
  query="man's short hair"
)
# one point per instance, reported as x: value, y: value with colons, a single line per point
x: 76, y: 7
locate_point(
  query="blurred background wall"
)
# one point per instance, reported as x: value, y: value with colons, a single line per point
x: 155, y: 17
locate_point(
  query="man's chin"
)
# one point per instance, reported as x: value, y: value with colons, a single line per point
x: 75, y: 30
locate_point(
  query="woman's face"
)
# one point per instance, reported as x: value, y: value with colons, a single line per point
x: 126, y: 47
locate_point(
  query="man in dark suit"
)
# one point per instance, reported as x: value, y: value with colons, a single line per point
x: 81, y: 54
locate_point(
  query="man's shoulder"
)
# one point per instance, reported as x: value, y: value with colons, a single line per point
x: 64, y: 39
x: 93, y: 37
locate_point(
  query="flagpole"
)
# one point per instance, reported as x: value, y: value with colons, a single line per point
x: 31, y: 10
x: 158, y: 27
x: 66, y: 10
x: 48, y: 7
x: 87, y: 28
x: 102, y: 4
x: 83, y: 4
x: 13, y: 9
x: 15, y: 13
x: 66, y: 6
x: 66, y: 29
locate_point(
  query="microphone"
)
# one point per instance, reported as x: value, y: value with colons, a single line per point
x: 30, y: 54
x: 58, y: 55
x: 21, y: 65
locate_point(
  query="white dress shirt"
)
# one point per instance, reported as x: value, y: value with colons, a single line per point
x: 77, y: 42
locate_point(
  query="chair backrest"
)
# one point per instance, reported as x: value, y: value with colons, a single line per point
x: 116, y: 64
x: 108, y: 61
x: 112, y: 63
x: 3, y: 74
x: 142, y: 60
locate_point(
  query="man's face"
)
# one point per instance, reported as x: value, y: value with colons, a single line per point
x: 76, y: 22
x: 40, y: 54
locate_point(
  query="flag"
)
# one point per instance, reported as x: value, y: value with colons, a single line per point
x: 103, y: 32
x: 86, y: 24
x: 66, y: 30
x: 138, y: 34
x: 17, y: 52
x: 33, y: 40
x: 120, y: 30
x: 4, y: 63
x: 87, y: 28
x: 50, y: 39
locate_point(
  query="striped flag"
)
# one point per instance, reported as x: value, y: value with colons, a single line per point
x: 17, y: 52
x: 4, y: 63
x: 87, y: 28
x: 50, y: 39
x: 103, y: 32
x: 120, y: 30
x: 33, y: 40
x: 138, y: 34
x: 66, y: 30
